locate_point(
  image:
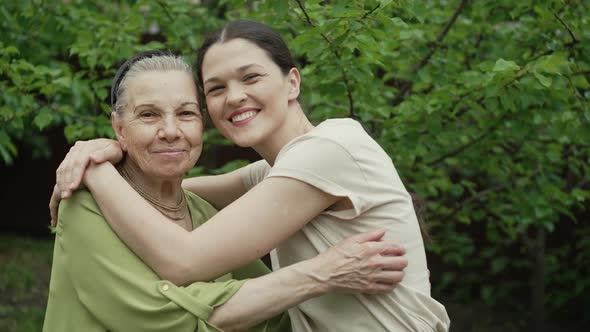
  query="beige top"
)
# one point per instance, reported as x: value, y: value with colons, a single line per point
x: 340, y: 158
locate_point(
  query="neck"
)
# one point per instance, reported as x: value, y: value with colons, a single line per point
x: 166, y: 191
x: 294, y: 125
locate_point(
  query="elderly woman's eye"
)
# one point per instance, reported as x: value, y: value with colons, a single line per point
x: 188, y: 113
x: 147, y: 115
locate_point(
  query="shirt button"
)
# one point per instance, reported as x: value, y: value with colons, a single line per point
x: 165, y: 287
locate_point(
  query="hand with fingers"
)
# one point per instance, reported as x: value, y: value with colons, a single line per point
x: 70, y: 173
x: 360, y: 264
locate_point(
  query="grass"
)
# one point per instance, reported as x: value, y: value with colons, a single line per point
x: 25, y: 267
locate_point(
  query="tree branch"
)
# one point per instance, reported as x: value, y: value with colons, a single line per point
x: 164, y: 7
x: 432, y: 48
x: 371, y: 11
x: 465, y: 146
x: 307, y: 18
x: 351, y: 110
x: 480, y: 195
x: 583, y: 72
x: 574, y: 40
x: 472, y: 198
x: 436, y: 44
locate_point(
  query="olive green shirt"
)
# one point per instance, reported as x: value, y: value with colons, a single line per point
x: 99, y: 284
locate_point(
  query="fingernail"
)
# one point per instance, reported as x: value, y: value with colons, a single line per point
x: 63, y: 194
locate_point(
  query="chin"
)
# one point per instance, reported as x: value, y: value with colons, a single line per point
x: 169, y: 176
x: 246, y: 141
x: 170, y: 173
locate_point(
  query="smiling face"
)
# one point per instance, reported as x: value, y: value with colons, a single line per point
x: 161, y: 127
x: 247, y: 95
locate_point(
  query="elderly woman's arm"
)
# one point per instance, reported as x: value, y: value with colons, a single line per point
x: 247, y: 229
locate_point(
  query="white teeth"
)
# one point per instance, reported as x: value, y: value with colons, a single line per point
x: 243, y: 116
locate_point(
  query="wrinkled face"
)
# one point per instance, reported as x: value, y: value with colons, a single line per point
x: 161, y: 127
x: 247, y: 94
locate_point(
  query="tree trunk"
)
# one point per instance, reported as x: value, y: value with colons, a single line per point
x: 538, y: 281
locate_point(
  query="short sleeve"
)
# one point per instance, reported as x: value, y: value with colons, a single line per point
x: 328, y: 166
x: 254, y: 173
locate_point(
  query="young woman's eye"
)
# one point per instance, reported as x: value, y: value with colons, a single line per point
x: 251, y: 77
x: 214, y: 89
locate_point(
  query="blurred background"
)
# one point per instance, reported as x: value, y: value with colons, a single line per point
x: 482, y: 105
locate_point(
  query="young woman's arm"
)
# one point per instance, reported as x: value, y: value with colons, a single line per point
x: 218, y: 190
x: 247, y: 229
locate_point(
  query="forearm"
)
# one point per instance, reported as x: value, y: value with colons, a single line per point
x: 157, y: 241
x: 218, y: 190
x: 233, y: 237
x: 267, y: 296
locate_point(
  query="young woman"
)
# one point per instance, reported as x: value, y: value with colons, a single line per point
x: 315, y: 186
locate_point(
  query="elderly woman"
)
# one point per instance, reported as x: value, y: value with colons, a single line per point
x: 98, y: 284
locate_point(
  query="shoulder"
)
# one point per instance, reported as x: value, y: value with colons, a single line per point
x: 79, y: 204
x: 81, y: 222
x: 345, y: 136
x: 200, y: 209
x: 340, y: 130
x: 322, y: 157
x: 330, y: 143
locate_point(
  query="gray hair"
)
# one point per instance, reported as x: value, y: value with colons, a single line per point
x: 160, y: 63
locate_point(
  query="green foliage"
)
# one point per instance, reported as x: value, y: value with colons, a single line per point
x: 24, y: 276
x: 482, y: 105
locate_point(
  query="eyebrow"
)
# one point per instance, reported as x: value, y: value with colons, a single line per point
x: 240, y: 69
x: 159, y: 109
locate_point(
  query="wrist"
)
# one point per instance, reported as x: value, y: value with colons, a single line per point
x: 311, y: 278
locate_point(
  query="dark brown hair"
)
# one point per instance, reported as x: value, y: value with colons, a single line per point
x: 420, y: 208
x: 258, y: 33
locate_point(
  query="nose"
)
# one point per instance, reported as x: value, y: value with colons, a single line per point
x: 236, y: 95
x: 169, y: 130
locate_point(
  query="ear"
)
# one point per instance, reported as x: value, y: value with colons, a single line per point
x: 294, y: 81
x: 116, y: 123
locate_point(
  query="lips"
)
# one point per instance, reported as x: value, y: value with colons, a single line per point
x: 243, y: 115
x: 170, y: 151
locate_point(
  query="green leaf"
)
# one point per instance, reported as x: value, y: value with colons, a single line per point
x: 503, y: 65
x: 499, y: 264
x: 10, y: 50
x: 64, y: 81
x: 554, y: 64
x: 384, y: 3
x: 43, y: 119
x: 544, y: 80
x: 398, y: 22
